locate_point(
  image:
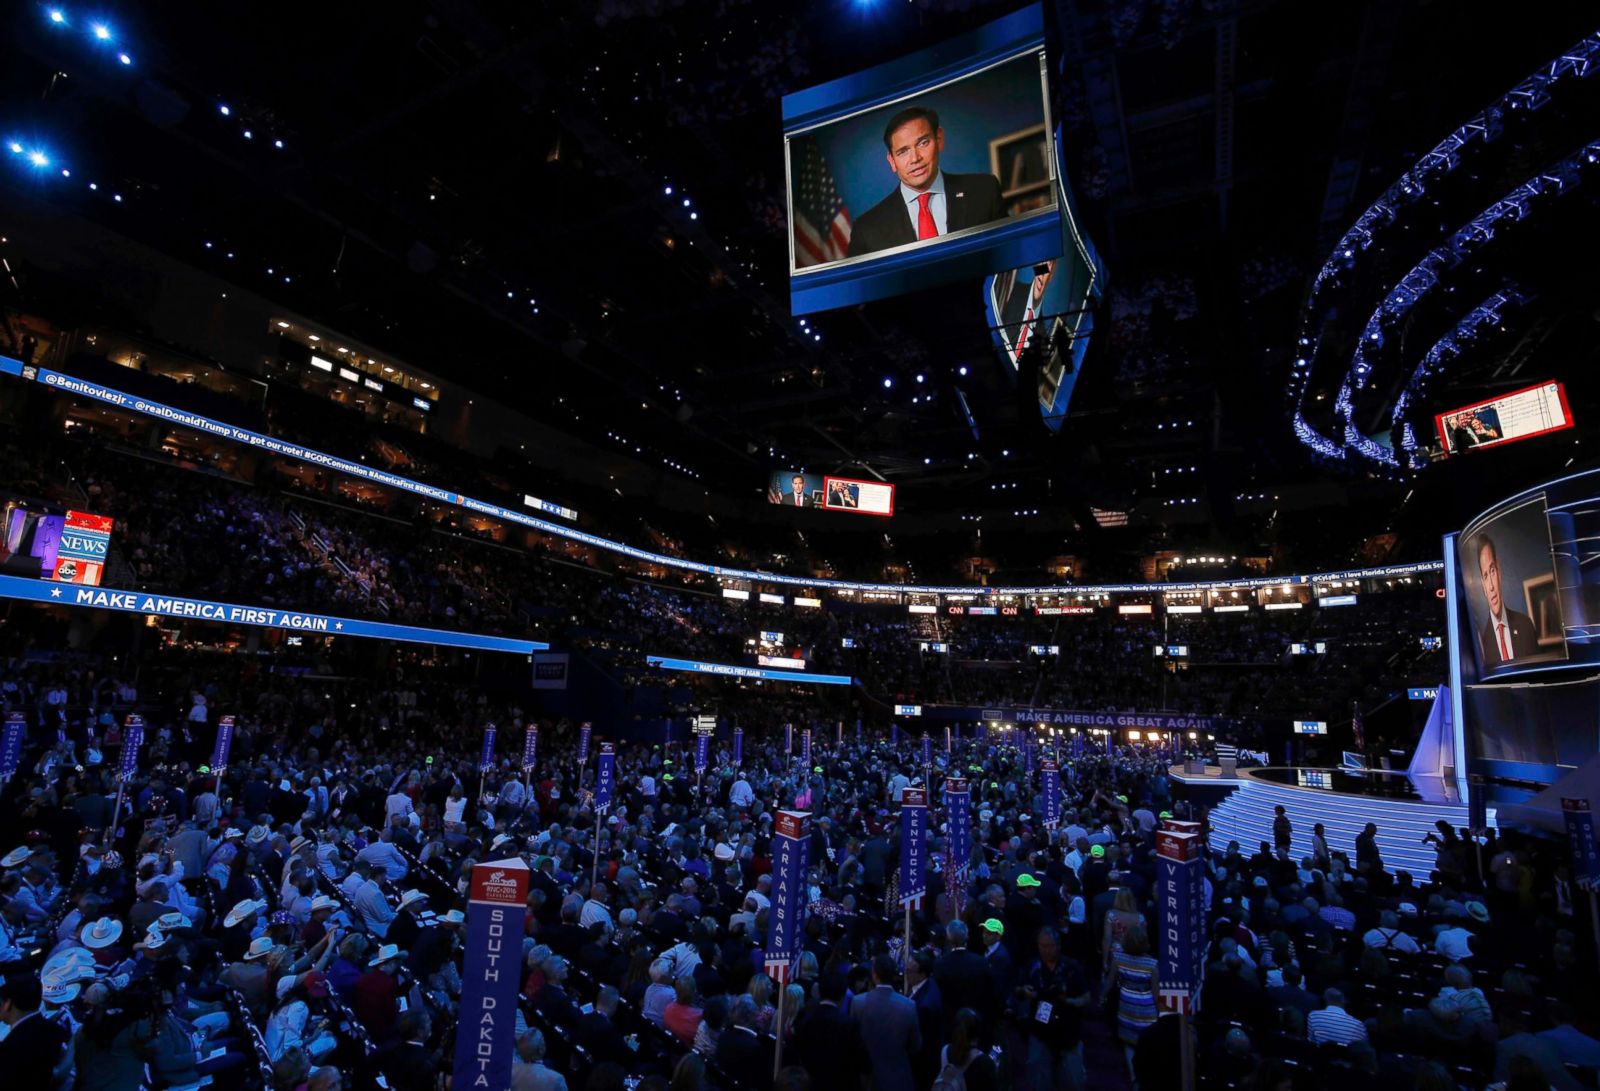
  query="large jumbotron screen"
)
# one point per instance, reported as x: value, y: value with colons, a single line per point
x: 930, y: 169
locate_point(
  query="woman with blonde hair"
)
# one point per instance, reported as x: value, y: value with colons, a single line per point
x: 760, y: 990
x: 1123, y: 916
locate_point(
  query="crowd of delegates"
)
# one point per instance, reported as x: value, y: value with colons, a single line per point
x: 297, y: 921
x: 199, y: 534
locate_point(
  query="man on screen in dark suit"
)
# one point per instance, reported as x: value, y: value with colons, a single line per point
x: 1506, y: 635
x: 796, y: 495
x: 927, y: 203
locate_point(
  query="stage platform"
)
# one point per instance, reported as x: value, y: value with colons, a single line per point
x: 1405, y: 809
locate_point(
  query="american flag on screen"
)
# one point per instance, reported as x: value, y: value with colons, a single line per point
x: 821, y: 221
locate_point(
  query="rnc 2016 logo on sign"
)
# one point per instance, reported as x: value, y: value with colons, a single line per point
x: 499, y: 886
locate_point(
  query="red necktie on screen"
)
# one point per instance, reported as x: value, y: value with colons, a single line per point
x: 1505, y: 648
x: 926, y: 228
x: 1027, y: 328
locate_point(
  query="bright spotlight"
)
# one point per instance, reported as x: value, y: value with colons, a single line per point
x: 887, y: 382
x: 58, y: 17
x: 278, y: 144
x: 248, y: 135
x: 668, y: 191
x: 962, y: 370
x: 101, y: 32
x: 16, y: 149
x: 39, y: 159
x: 225, y: 111
x: 124, y: 58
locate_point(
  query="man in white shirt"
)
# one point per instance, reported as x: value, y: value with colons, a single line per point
x: 761, y: 892
x: 1454, y: 944
x: 398, y: 803
x: 1333, y: 1024
x: 369, y: 901
x: 1388, y: 937
x: 382, y: 854
x: 897, y: 784
x: 741, y: 795
x: 595, y: 911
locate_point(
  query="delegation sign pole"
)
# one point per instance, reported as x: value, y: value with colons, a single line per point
x: 486, y: 1031
x: 1180, y: 893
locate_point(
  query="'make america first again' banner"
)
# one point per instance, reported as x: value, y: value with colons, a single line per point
x: 176, y: 606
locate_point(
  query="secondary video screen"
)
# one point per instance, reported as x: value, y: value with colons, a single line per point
x: 796, y: 489
x: 1521, y: 414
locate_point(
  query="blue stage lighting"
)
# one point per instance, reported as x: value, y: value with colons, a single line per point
x: 39, y: 159
x: 124, y: 58
x: 58, y: 17
x: 962, y: 370
x: 101, y: 32
x: 248, y: 135
x: 887, y: 383
x: 16, y: 149
x: 278, y: 144
x: 668, y: 191
x: 225, y: 111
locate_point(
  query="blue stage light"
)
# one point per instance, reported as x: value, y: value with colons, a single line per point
x: 225, y: 111
x: 101, y: 32
x: 962, y: 370
x: 58, y: 17
x: 248, y: 135
x: 887, y: 383
x: 124, y: 58
x: 16, y: 149
x: 278, y: 144
x: 39, y: 159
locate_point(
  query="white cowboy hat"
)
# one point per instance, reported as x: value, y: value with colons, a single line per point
x: 59, y: 986
x: 16, y: 856
x: 322, y: 901
x: 258, y: 834
x: 387, y: 953
x: 260, y: 947
x: 454, y: 918
x: 412, y: 896
x: 102, y: 933
x: 241, y: 911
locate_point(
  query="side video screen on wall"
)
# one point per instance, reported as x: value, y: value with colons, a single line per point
x: 1521, y: 414
x: 794, y: 489
x: 928, y: 169
x: 1525, y: 602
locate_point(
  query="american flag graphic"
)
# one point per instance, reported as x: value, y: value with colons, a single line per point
x: 955, y: 885
x: 821, y: 221
x: 778, y: 970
